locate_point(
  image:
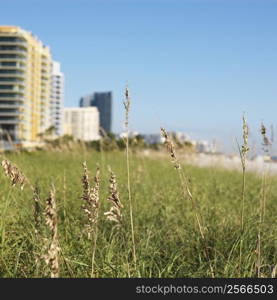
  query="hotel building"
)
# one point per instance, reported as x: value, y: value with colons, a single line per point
x: 103, y: 101
x: 57, y: 98
x: 25, y: 85
x: 82, y: 123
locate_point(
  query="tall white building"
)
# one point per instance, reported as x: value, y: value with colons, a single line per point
x: 82, y: 123
x: 57, y: 98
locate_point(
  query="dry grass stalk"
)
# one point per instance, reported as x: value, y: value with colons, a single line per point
x: 243, y: 156
x: 266, y: 149
x: 243, y: 151
x: 266, y: 145
x: 114, y: 214
x: 127, y: 105
x: 171, y: 148
x: 51, y: 219
x: 244, y: 147
x: 37, y: 222
x: 15, y: 175
x: 266, y: 142
x: 91, y: 209
x: 37, y: 209
x: 183, y: 179
x: 258, y: 253
x: 186, y: 190
x: 91, y: 199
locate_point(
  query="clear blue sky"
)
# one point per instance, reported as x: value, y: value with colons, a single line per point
x: 192, y: 66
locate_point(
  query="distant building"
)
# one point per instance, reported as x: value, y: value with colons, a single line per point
x: 182, y: 137
x: 205, y: 147
x: 154, y: 138
x: 25, y: 85
x: 82, y: 123
x: 86, y: 101
x: 103, y: 101
x: 57, y: 98
x: 131, y: 134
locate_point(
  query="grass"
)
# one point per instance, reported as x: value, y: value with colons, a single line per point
x: 167, y: 238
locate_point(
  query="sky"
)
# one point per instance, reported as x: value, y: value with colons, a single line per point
x: 191, y: 66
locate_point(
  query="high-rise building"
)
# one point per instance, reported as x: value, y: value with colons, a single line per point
x: 25, y: 85
x: 57, y: 98
x: 103, y: 101
x: 82, y: 123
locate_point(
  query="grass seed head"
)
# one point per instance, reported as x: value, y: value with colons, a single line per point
x: 170, y: 148
x: 127, y: 104
x: 114, y: 214
x: 14, y: 174
x: 52, y: 256
x: 244, y: 148
x: 266, y: 142
x: 245, y: 129
x: 91, y: 198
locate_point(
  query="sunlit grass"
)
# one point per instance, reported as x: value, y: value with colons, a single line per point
x: 167, y: 239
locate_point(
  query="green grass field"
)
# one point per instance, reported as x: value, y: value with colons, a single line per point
x: 167, y: 240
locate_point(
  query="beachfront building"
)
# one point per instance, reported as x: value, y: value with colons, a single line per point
x: 25, y: 85
x: 82, y: 123
x: 57, y: 98
x: 103, y: 101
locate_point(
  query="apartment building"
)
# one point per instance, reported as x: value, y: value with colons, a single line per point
x: 82, y: 123
x: 25, y: 85
x: 103, y: 101
x: 57, y: 98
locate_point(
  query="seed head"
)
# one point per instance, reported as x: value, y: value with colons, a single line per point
x: 114, y: 214
x: 244, y: 147
x: 170, y: 148
x: 91, y: 198
x: 52, y: 257
x: 14, y: 174
x: 127, y: 104
x: 266, y: 142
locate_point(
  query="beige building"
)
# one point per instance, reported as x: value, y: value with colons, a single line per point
x: 25, y: 85
x: 82, y: 123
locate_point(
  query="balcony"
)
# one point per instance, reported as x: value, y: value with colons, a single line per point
x: 16, y: 59
x: 44, y: 59
x: 12, y: 56
x: 10, y: 105
x: 16, y: 97
x: 9, y: 119
x: 12, y: 40
x: 6, y: 48
x: 11, y: 70
x: 3, y: 113
x: 11, y: 80
x: 13, y: 51
x: 14, y: 90
x: 19, y: 84
x: 17, y: 69
x: 17, y: 44
x: 16, y: 121
x: 15, y: 75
